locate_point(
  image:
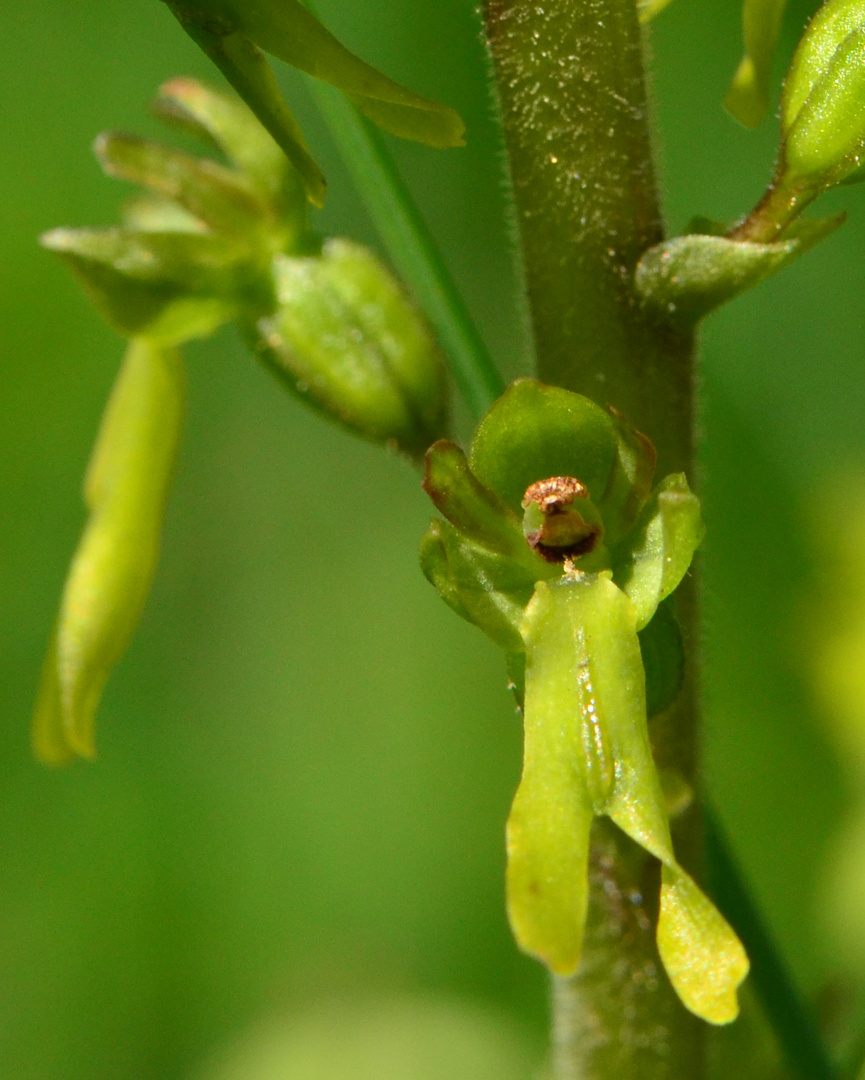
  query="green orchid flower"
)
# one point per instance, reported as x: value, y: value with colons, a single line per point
x: 557, y: 546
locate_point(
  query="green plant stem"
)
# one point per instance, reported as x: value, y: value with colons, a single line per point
x: 412, y: 248
x: 573, y: 105
x: 791, y: 1020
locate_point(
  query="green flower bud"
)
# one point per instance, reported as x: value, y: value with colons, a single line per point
x: 233, y: 31
x: 587, y: 752
x: 125, y: 491
x: 346, y: 339
x: 823, y: 106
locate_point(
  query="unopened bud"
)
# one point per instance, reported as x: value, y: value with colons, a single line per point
x: 347, y: 339
x: 823, y: 108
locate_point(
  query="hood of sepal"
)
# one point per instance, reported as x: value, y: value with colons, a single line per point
x: 346, y: 338
x: 534, y: 432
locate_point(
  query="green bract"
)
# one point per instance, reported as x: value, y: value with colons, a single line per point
x: 823, y: 106
x: 232, y: 33
x: 569, y: 627
x: 686, y: 277
x: 125, y: 491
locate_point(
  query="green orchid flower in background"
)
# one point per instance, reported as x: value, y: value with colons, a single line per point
x: 233, y: 33
x: 566, y: 592
x: 212, y: 242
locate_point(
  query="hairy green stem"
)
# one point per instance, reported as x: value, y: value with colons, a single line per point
x: 573, y: 104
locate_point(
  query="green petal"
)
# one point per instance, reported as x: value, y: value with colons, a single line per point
x: 654, y: 559
x: 468, y: 505
x: 534, y: 432
x: 227, y: 123
x: 125, y: 489
x: 492, y: 590
x: 436, y: 568
x: 748, y: 96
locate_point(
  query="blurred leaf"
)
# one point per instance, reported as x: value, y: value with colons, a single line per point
x: 400, y: 1039
x: 748, y: 96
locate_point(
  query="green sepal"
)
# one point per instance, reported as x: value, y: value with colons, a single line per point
x: 246, y: 68
x: 685, y: 278
x: 220, y: 197
x: 650, y: 563
x: 468, y: 505
x: 825, y: 142
x: 488, y: 589
x: 748, y: 96
x: 125, y: 491
x: 228, y: 124
x: 583, y: 662
x: 663, y: 654
x: 534, y: 432
x: 170, y: 286
x: 346, y: 338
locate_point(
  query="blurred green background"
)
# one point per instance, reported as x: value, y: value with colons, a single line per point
x: 306, y: 760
